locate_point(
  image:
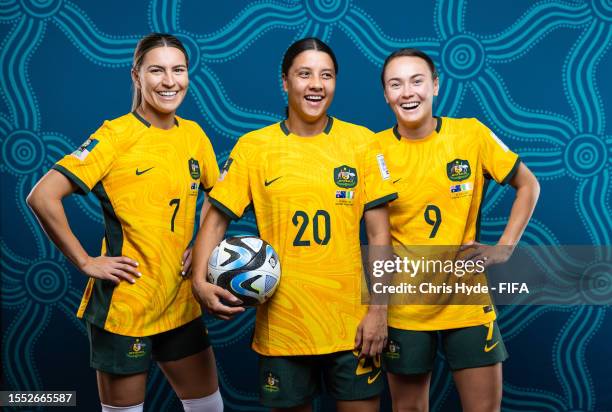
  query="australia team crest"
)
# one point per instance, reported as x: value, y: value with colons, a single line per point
x: 345, y: 176
x: 458, y: 170
x: 194, y: 168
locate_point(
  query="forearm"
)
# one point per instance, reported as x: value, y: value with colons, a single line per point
x: 210, y: 234
x: 52, y: 218
x: 379, y: 250
x: 527, y: 193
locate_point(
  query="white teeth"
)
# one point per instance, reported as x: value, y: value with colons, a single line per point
x: 410, y: 105
x: 314, y: 98
x: 167, y: 94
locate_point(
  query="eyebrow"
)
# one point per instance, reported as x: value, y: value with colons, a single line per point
x: 151, y: 66
x: 309, y: 68
x: 411, y: 77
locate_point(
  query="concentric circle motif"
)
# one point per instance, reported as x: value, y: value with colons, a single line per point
x: 41, y: 8
x: 23, y: 151
x: 585, y: 155
x: 193, y: 51
x: 46, y: 281
x: 327, y: 11
x: 463, y: 57
x: 596, y: 284
x: 602, y: 9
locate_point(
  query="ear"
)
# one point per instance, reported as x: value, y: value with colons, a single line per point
x: 285, y: 86
x: 135, y: 78
x: 436, y: 84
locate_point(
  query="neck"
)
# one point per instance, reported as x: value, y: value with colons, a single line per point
x: 303, y: 128
x: 156, y: 118
x: 420, y: 131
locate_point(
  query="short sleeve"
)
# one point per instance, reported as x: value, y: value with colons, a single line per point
x: 378, y: 188
x: 497, y: 159
x: 211, y: 169
x: 89, y: 163
x: 231, y: 193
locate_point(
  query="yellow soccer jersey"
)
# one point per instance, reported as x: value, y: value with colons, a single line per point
x: 308, y: 194
x: 441, y: 181
x: 147, y: 181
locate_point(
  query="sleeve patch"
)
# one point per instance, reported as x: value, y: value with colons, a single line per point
x: 83, y: 151
x: 225, y: 168
x: 382, y: 166
x: 498, y: 140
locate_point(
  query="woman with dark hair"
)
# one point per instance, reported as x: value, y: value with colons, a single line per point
x: 441, y: 167
x: 145, y: 168
x: 310, y: 179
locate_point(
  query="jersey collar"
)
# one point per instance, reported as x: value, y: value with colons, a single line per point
x: 397, y: 134
x: 328, y: 126
x: 147, y: 124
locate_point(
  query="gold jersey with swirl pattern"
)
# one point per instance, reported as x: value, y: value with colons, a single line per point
x: 441, y: 182
x: 308, y: 195
x: 147, y: 181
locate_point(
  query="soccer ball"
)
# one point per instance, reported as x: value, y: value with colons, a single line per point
x: 247, y: 266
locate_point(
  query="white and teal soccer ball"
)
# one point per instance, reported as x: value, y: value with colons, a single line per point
x: 247, y: 266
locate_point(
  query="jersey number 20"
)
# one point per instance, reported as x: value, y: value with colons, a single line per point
x: 301, y: 220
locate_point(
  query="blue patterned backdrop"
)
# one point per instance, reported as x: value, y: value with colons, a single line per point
x: 534, y: 72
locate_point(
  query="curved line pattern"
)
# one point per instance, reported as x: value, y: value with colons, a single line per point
x: 514, y: 121
x: 16, y: 52
x: 100, y: 48
x: 579, y: 77
x: 452, y: 97
x: 17, y: 351
x: 235, y: 399
x: 569, y: 362
x: 9, y: 10
x: 221, y: 114
x: 544, y: 163
x: 23, y: 188
x: 162, y: 15
x: 591, y: 205
x: 448, y: 17
x: 532, y: 27
x: 521, y: 399
x: 375, y: 45
x: 235, y: 38
x: 223, y: 333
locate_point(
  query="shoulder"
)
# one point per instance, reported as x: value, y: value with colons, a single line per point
x: 118, y: 129
x: 340, y: 126
x: 465, y: 125
x: 190, y: 126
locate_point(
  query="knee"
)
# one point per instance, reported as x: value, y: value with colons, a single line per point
x: 411, y: 405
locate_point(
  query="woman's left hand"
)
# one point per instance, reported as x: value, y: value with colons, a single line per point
x: 489, y: 255
x: 186, y: 263
x: 371, y: 335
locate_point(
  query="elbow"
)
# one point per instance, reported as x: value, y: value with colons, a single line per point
x: 33, y: 199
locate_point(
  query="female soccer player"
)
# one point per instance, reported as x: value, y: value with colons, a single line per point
x: 145, y: 168
x: 440, y: 168
x: 310, y: 179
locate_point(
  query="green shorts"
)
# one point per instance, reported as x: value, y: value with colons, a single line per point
x: 289, y: 381
x: 127, y: 355
x: 413, y: 352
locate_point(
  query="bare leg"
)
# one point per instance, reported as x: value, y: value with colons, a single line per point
x: 409, y: 393
x: 480, y: 389
x: 192, y: 377
x: 364, y: 405
x: 121, y: 390
x: 301, y: 408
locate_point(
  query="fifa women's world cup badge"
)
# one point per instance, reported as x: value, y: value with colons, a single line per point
x: 194, y: 168
x: 458, y: 170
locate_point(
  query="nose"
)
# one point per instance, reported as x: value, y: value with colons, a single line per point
x: 315, y: 83
x: 407, y: 90
x: 168, y: 80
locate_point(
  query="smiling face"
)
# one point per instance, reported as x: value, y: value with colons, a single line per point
x: 310, y: 84
x: 409, y: 90
x: 162, y: 79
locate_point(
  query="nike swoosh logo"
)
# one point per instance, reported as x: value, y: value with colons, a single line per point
x: 139, y: 172
x: 395, y: 181
x: 488, y: 348
x: 372, y: 379
x: 268, y: 183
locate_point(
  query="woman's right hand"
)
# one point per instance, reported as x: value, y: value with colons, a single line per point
x: 110, y: 268
x: 210, y: 296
